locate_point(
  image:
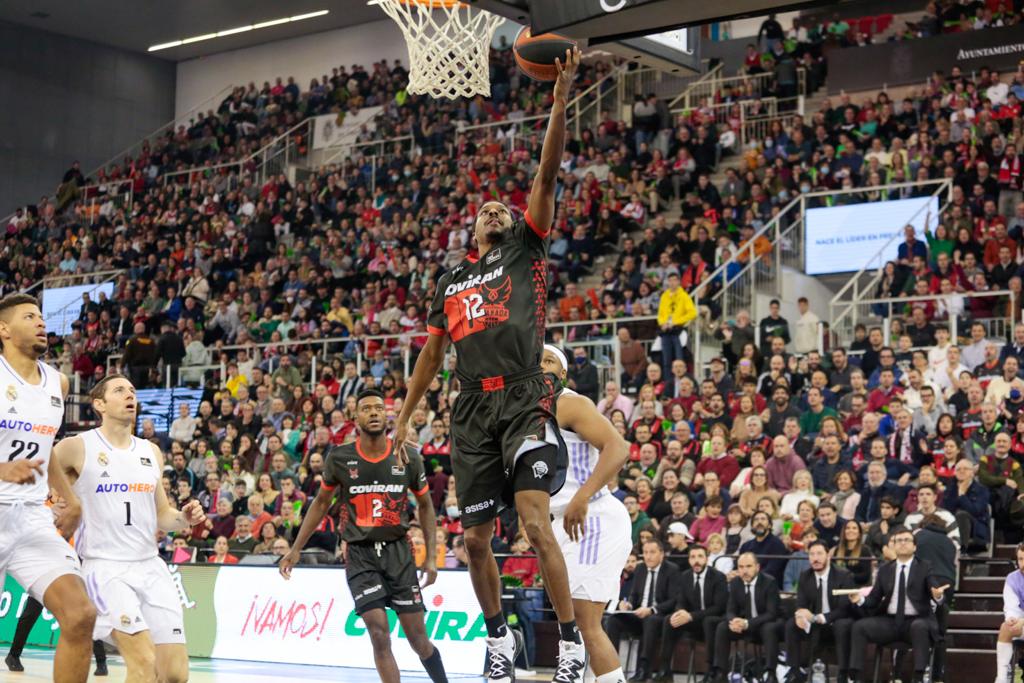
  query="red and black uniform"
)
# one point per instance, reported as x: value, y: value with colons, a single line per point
x: 374, y: 492
x: 493, y: 310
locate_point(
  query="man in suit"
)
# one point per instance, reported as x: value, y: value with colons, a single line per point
x: 901, y: 603
x: 819, y: 612
x: 700, y: 604
x: 751, y: 612
x: 655, y: 586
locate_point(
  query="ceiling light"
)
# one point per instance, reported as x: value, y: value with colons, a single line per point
x: 164, y: 46
x: 311, y: 15
x: 233, y: 31
x: 196, y: 39
x: 240, y: 29
x: 272, y: 22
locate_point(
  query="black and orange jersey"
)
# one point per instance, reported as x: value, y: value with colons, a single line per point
x: 493, y: 308
x: 374, y: 491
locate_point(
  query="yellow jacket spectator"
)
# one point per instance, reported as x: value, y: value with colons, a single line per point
x: 675, y: 309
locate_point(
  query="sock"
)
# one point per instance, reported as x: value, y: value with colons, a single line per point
x: 99, y: 652
x: 612, y: 677
x: 1004, y: 655
x: 496, y: 626
x: 435, y: 667
x: 588, y: 675
x: 569, y: 632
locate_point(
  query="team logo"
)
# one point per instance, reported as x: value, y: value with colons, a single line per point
x: 397, y: 470
x: 353, y: 473
x: 12, y: 411
x: 12, y: 393
x: 495, y: 303
x: 146, y: 462
x: 492, y: 256
x: 540, y: 469
x: 103, y: 459
x: 55, y: 402
x: 126, y: 621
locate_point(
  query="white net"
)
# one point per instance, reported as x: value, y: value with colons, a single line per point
x: 449, y: 46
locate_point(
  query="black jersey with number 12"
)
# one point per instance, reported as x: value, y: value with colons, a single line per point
x: 374, y: 491
x: 493, y: 308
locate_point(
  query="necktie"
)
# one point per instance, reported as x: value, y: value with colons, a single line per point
x: 700, y: 593
x: 650, y: 589
x: 751, y: 608
x: 817, y: 599
x: 901, y: 597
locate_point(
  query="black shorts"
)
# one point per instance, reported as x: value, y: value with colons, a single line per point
x: 505, y: 439
x: 383, y: 575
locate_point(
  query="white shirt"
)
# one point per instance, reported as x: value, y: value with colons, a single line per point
x: 651, y: 584
x: 699, y: 578
x: 753, y: 596
x: 894, y: 602
x: 823, y: 578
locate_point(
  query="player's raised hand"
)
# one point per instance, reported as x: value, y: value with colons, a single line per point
x: 574, y: 520
x: 567, y: 72
x: 287, y: 561
x: 428, y: 575
x: 21, y: 471
x: 193, y: 512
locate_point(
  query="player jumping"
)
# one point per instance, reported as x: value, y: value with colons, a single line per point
x: 381, y: 573
x: 591, y: 525
x: 117, y: 478
x: 31, y: 413
x: 504, y: 438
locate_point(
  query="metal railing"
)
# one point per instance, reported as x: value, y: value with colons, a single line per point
x: 270, y: 159
x: 847, y: 305
x: 708, y: 89
x: 73, y: 278
x: 704, y: 87
x: 756, y: 266
x: 954, y: 313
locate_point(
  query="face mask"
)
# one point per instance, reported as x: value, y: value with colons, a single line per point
x: 805, y: 188
x: 581, y: 361
x: 453, y: 511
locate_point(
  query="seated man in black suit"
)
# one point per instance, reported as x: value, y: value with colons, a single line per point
x: 751, y: 613
x: 655, y: 586
x: 700, y: 604
x: 902, y: 606
x: 820, y: 612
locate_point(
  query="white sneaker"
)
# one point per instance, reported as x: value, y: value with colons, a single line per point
x: 501, y: 654
x: 572, y: 662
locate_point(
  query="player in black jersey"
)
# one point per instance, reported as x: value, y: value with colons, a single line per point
x: 373, y: 486
x: 504, y: 438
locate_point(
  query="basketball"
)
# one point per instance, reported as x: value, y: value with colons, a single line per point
x: 536, y: 55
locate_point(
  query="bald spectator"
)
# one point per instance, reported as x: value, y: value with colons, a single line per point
x: 783, y: 464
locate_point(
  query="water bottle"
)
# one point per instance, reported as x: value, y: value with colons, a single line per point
x: 735, y: 677
x: 818, y: 672
x: 927, y: 678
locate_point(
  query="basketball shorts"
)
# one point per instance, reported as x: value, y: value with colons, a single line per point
x: 505, y: 439
x: 383, y: 575
x: 135, y: 596
x: 595, y: 562
x: 31, y: 549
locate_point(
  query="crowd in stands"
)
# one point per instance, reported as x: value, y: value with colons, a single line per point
x: 776, y: 447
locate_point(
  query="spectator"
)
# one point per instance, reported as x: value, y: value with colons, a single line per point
x: 583, y: 374
x: 968, y: 500
x: 766, y: 546
x: 807, y: 335
x: 675, y: 311
x: 783, y: 464
x: 220, y: 552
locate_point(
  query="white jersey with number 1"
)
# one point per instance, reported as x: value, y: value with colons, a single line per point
x: 117, y: 487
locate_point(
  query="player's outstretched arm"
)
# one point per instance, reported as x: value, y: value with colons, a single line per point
x: 65, y: 465
x: 579, y: 414
x: 542, y: 193
x: 428, y: 364
x: 314, y: 515
x: 167, y: 518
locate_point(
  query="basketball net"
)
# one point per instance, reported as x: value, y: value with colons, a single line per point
x: 449, y: 46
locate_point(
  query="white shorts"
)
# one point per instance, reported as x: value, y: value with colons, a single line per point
x: 31, y: 549
x: 595, y: 562
x: 132, y: 597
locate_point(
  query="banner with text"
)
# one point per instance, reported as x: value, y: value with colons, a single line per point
x: 842, y: 239
x: 12, y: 604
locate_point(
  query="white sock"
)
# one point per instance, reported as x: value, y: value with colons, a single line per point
x: 1004, y: 655
x: 588, y: 675
x: 612, y: 677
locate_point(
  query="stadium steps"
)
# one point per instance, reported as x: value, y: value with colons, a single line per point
x: 982, y: 585
x: 975, y: 620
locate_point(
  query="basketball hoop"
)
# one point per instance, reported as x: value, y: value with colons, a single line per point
x: 449, y: 46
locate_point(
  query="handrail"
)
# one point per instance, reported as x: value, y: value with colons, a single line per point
x: 113, y: 274
x: 943, y: 184
x: 712, y: 74
x: 72, y: 276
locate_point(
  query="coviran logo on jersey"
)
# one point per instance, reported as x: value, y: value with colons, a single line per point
x: 23, y: 426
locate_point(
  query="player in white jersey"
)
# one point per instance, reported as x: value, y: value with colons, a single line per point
x: 117, y: 478
x: 591, y: 525
x: 31, y: 551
